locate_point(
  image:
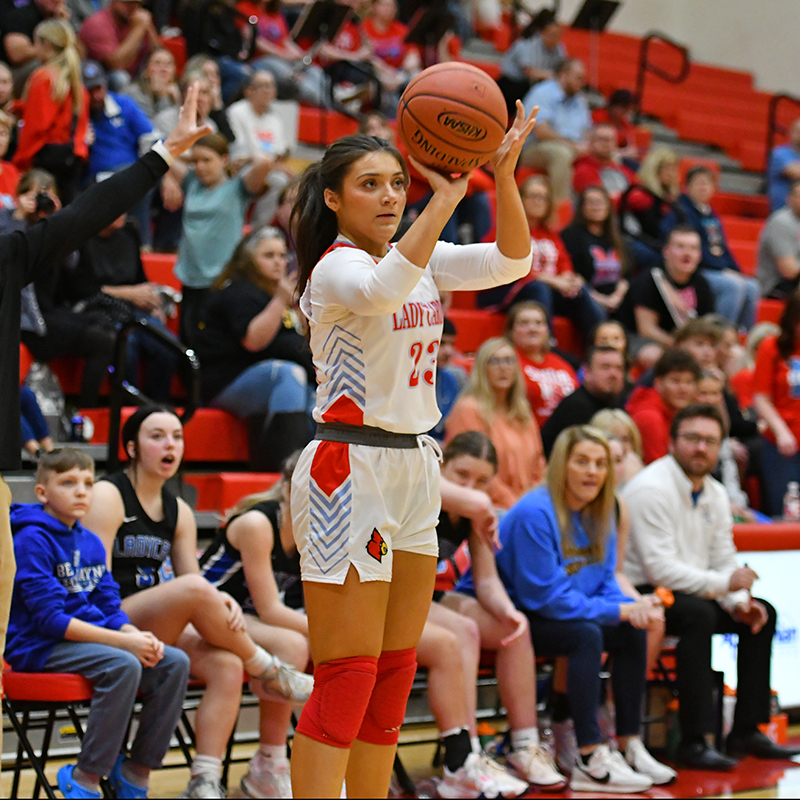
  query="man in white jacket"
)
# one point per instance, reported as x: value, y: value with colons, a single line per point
x: 682, y: 538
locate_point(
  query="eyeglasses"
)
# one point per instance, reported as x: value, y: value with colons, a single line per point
x: 502, y: 361
x: 695, y: 439
x: 534, y: 196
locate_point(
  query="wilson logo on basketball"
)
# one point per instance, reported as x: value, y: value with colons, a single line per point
x: 461, y: 126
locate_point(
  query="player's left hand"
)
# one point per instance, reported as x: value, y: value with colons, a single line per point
x: 235, y: 613
x: 504, y: 160
x: 753, y: 614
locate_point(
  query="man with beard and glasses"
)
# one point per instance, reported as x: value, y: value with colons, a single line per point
x: 681, y: 538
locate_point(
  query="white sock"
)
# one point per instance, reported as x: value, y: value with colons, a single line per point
x: 277, y: 752
x: 525, y: 737
x: 258, y: 663
x: 207, y: 765
x: 476, y: 744
x: 451, y: 732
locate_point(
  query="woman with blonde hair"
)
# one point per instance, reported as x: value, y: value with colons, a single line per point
x: 494, y: 402
x: 557, y: 562
x: 55, y: 116
x: 617, y: 423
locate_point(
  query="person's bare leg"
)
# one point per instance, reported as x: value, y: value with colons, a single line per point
x: 343, y: 621
x: 369, y: 770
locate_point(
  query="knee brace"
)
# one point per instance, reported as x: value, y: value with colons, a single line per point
x: 387, y: 706
x: 335, y: 710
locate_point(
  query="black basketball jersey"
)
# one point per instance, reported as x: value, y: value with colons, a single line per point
x: 221, y: 564
x: 451, y: 536
x: 142, y: 546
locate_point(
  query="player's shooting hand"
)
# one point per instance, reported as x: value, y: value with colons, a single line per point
x: 505, y: 158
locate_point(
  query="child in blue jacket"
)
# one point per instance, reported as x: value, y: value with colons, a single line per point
x: 66, y: 617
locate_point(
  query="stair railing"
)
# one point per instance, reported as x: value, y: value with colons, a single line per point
x: 773, y: 127
x: 645, y: 65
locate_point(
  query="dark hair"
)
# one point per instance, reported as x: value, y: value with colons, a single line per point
x: 566, y: 64
x: 313, y: 225
x: 622, y: 97
x: 448, y: 328
x: 675, y: 360
x: 698, y: 328
x: 61, y: 460
x: 793, y: 185
x: 683, y: 227
x: 130, y: 430
x: 602, y: 348
x: 790, y: 319
x: 610, y: 224
x: 471, y: 443
x: 214, y: 141
x: 705, y: 410
x: 699, y: 169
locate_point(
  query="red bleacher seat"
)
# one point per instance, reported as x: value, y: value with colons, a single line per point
x: 320, y: 127
x: 740, y: 205
x: 220, y: 491
x: 770, y: 310
x: 743, y: 228
x: 26, y: 359
x: 474, y: 327
x: 745, y: 253
x: 177, y: 46
x: 160, y: 268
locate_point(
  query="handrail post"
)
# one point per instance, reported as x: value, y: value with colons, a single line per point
x: 772, y: 121
x: 645, y: 66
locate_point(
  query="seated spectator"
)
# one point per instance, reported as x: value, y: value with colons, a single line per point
x: 551, y: 281
x: 664, y: 298
x: 601, y: 164
x: 55, y: 115
x: 729, y: 347
x: 120, y: 36
x: 676, y: 375
x: 682, y: 539
x: 561, y: 125
x: 644, y: 211
x: 557, y: 563
x: 214, y: 208
x: 534, y: 56
x: 277, y: 53
x: 742, y: 382
x: 9, y: 174
x: 779, y: 248
x: 134, y: 506
x: 783, y: 168
x: 259, y: 132
x: 777, y: 404
x: 494, y: 403
x: 595, y: 246
x: 736, y: 295
x: 156, y: 88
x: 253, y: 558
x: 450, y: 378
x: 618, y: 113
x: 7, y: 106
x: 548, y: 377
x: 482, y: 607
x: 255, y: 357
x: 617, y: 424
x: 66, y: 617
x: 109, y: 280
x: 602, y: 387
x: 36, y: 438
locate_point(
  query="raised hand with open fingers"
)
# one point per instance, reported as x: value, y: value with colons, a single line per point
x: 505, y: 158
x: 187, y: 131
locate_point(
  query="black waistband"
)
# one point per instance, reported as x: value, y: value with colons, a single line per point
x: 365, y: 435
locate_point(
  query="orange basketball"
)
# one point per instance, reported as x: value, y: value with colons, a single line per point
x: 452, y: 117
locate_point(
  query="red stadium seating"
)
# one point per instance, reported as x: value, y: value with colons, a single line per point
x: 220, y: 491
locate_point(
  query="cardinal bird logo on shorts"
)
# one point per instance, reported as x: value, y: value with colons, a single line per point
x: 376, y: 546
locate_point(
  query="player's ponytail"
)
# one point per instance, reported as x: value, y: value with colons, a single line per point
x: 314, y: 226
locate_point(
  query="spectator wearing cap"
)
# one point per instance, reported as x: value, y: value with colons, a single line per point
x: 619, y: 114
x: 120, y: 37
x: 561, y: 125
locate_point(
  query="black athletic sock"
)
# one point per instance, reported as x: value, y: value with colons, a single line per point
x: 561, y: 710
x: 457, y: 748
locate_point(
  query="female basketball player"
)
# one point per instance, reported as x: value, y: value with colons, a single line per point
x: 365, y: 496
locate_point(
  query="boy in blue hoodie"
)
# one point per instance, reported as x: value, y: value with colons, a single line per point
x: 66, y: 617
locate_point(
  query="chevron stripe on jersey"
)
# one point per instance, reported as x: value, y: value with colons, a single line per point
x: 344, y: 365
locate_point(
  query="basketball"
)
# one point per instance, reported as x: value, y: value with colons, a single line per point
x: 452, y: 117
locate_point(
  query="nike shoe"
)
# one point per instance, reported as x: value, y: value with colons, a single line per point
x: 470, y: 780
x: 267, y: 777
x: 536, y: 766
x: 640, y: 760
x: 507, y: 784
x: 281, y: 681
x: 607, y: 772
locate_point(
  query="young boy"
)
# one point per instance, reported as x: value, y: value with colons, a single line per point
x: 66, y: 617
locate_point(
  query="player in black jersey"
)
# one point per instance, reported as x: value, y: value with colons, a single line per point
x: 149, y: 534
x: 254, y: 558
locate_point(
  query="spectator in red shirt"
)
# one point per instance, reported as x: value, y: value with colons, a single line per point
x: 601, y: 165
x: 120, y: 37
x: 619, y: 114
x: 9, y: 174
x: 55, y: 115
x: 551, y: 281
x: 652, y: 409
x: 777, y: 402
x: 548, y: 377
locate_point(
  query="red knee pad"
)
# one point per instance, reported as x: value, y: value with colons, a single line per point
x: 335, y: 710
x: 387, y: 706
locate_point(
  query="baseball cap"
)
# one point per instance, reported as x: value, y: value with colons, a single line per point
x: 93, y: 74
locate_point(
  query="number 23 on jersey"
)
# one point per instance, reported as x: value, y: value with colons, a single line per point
x: 428, y: 367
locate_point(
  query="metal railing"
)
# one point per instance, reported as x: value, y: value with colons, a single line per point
x: 645, y: 65
x: 123, y: 393
x: 773, y: 127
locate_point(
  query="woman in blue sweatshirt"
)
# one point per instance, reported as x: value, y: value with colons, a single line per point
x: 557, y: 561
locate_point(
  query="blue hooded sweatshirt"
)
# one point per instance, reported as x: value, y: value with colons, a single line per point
x: 539, y: 577
x: 61, y: 575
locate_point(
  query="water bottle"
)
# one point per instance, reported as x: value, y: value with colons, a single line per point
x: 791, y: 502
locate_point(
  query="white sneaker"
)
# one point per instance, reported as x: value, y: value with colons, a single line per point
x: 507, y: 784
x: 203, y: 787
x: 535, y: 764
x: 267, y: 777
x: 281, y: 681
x: 607, y: 771
x: 566, y: 745
x: 640, y: 760
x: 469, y: 780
